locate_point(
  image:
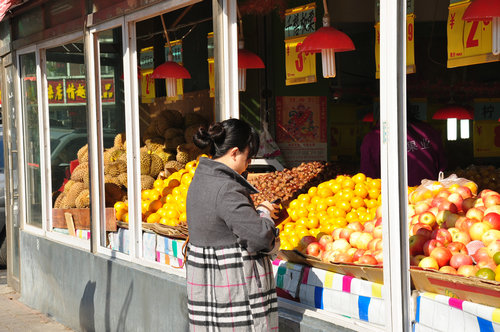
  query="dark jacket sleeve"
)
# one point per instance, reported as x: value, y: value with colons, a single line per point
x: 254, y: 233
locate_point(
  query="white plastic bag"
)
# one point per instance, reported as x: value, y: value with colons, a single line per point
x: 268, y: 147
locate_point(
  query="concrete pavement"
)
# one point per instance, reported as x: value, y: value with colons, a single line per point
x: 15, y: 316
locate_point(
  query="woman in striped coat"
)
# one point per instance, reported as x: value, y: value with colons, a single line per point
x: 230, y: 282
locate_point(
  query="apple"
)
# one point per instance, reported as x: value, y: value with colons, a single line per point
x: 486, y: 192
x: 457, y: 248
x: 414, y: 219
x: 447, y: 218
x: 369, y: 226
x: 379, y: 256
x: 456, y: 199
x: 336, y: 233
x: 356, y: 226
x: 468, y: 224
x: 367, y: 260
x: 422, y: 207
x: 325, y: 239
x: 378, y: 212
x: 492, y: 219
x: 490, y: 200
x: 377, y: 232
x: 453, y: 231
x: 343, y: 257
x: 461, y: 236
x: 490, y: 236
x: 442, y: 235
x: 375, y: 244
x: 341, y: 245
x: 345, y: 233
x: 378, y: 221
x: 447, y: 205
x: 493, y: 247
x: 489, y: 263
x: 467, y: 270
x: 314, y: 249
x: 429, y: 263
x: 438, y: 201
x: 475, y: 213
x: 351, y: 251
x: 464, y: 191
x: 429, y: 245
x: 468, y: 204
x: 354, y: 238
x: 415, y: 260
x: 494, y: 208
x: 414, y: 228
x: 434, y: 211
x: 427, y: 218
x: 363, y: 240
x: 329, y: 256
x: 357, y: 254
x: 442, y: 255
x: 458, y: 260
x: 444, y: 193
x: 416, y: 243
x: 477, y: 230
x: 410, y: 210
x: 481, y: 254
x: 448, y: 269
x: 305, y: 241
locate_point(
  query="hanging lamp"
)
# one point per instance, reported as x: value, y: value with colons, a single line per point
x: 327, y: 40
x: 453, y: 111
x: 486, y: 10
x: 368, y: 117
x: 246, y: 59
x: 170, y: 70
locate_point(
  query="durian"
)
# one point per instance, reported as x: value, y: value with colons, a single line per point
x: 147, y: 182
x: 120, y: 141
x: 83, y: 200
x: 83, y: 154
x: 80, y: 172
x: 145, y: 162
x: 156, y: 166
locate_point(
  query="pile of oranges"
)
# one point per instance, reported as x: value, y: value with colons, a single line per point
x: 330, y: 205
x: 165, y: 203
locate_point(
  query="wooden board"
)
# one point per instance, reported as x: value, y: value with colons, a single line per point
x: 81, y: 218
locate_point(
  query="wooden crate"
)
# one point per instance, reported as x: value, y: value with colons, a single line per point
x: 81, y: 218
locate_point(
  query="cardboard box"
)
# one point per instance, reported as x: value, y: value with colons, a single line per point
x: 119, y: 241
x: 468, y: 289
x: 149, y: 246
x: 288, y: 276
x: 169, y: 246
x: 364, y: 272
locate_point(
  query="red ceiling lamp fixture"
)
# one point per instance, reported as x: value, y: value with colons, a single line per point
x: 368, y: 117
x: 487, y: 11
x: 453, y: 112
x: 246, y: 59
x: 170, y: 70
x: 327, y: 40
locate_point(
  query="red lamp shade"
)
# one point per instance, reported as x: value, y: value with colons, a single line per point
x: 453, y: 112
x: 247, y: 60
x: 368, y: 117
x: 170, y: 69
x: 482, y: 10
x: 327, y: 40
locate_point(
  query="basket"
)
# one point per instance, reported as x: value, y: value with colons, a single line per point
x: 176, y: 232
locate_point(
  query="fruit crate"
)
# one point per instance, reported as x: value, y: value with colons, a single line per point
x: 81, y: 218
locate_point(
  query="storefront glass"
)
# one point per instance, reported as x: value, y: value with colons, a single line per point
x: 31, y: 139
x: 67, y: 99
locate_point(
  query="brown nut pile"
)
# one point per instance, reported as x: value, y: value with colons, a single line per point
x: 289, y: 183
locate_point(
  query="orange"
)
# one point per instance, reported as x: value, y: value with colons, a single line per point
x: 304, y: 198
x: 293, y: 213
x: 153, y: 218
x: 172, y: 214
x: 163, y: 221
x: 312, y: 191
x: 375, y: 183
x: 357, y: 202
x: 155, y: 205
x: 371, y: 203
x: 358, y: 178
x: 170, y: 199
x: 293, y: 204
x: 312, y: 223
x: 311, y: 207
x: 323, y: 185
x: 312, y: 214
x: 330, y: 201
x: 315, y: 231
x: 331, y: 210
x: 294, y: 240
x: 322, y: 214
x: 176, y: 191
x: 321, y: 207
x: 315, y: 200
x: 166, y: 191
x: 344, y: 205
x: 303, y: 204
x: 120, y: 213
x: 285, y: 245
x: 347, y: 194
x: 182, y: 217
x: 303, y: 232
x: 120, y: 206
x: 340, y: 222
x: 145, y: 194
x: 351, y: 217
x: 338, y: 213
x: 186, y: 179
x: 301, y: 222
x: 125, y: 217
x: 374, y: 193
x: 144, y: 206
x: 361, y: 192
x: 348, y: 183
x: 289, y: 227
x: 335, y: 187
x: 302, y: 212
x: 158, y: 184
x: 325, y: 192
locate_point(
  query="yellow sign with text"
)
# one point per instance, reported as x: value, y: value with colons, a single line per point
x: 469, y: 42
x: 486, y: 138
x: 211, y: 76
x: 410, y: 46
x: 300, y: 66
x: 147, y: 86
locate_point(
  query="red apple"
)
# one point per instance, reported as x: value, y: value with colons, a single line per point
x: 416, y: 243
x: 427, y: 218
x: 379, y: 256
x: 494, y: 208
x: 415, y: 260
x: 475, y: 213
x: 325, y: 239
x: 457, y: 248
x: 458, y: 260
x: 481, y: 254
x: 477, y: 230
x: 438, y: 201
x: 314, y: 249
x: 378, y: 221
x: 305, y: 241
x: 336, y: 233
x: 456, y: 199
x: 490, y: 200
x: 343, y: 258
x: 369, y: 226
x: 430, y: 245
x: 378, y: 212
x: 490, y: 236
x: 442, y: 235
x: 448, y: 269
x: 345, y: 233
x: 434, y: 211
x: 468, y: 204
x: 467, y: 270
x: 415, y: 228
x: 367, y: 260
x: 377, y: 232
x: 453, y: 231
x: 447, y: 219
x: 464, y: 191
x: 357, y: 254
x: 429, y: 263
x: 448, y: 206
x: 492, y: 219
x: 486, y: 192
x: 444, y: 193
x: 340, y: 245
x: 356, y: 226
x: 363, y: 240
x: 442, y: 255
x: 493, y: 248
x: 489, y: 263
x: 462, y: 237
x: 375, y: 244
x: 414, y: 219
x: 422, y: 207
x: 353, y: 239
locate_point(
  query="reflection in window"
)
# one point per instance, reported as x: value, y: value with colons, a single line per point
x: 31, y: 139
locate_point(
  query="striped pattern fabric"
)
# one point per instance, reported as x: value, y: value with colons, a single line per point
x: 230, y: 289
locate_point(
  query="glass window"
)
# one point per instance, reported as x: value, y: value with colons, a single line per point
x: 31, y: 139
x: 67, y: 99
x: 113, y: 134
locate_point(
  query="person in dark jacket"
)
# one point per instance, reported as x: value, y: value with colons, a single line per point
x: 230, y: 282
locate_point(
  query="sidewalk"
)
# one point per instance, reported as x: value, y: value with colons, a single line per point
x: 15, y: 316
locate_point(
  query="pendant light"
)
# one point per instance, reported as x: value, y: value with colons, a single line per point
x: 327, y: 40
x: 486, y: 11
x: 453, y: 111
x: 246, y: 59
x: 170, y: 70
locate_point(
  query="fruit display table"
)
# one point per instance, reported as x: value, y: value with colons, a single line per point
x: 442, y: 313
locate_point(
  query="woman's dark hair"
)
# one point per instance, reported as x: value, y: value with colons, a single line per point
x: 223, y: 136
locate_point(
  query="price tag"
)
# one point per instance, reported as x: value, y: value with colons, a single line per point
x: 176, y: 57
x: 486, y: 139
x: 469, y: 43
x: 300, y: 20
x: 300, y: 66
x: 410, y: 46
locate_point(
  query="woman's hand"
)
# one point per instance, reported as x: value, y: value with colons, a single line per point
x: 272, y: 208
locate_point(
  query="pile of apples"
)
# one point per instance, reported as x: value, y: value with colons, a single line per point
x: 455, y: 231
x: 356, y: 243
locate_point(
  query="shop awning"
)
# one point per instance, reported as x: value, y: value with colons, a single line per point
x: 5, y: 5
